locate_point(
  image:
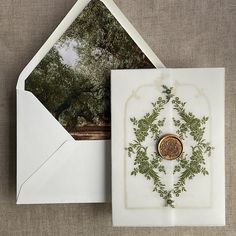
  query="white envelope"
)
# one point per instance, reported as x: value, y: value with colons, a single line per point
x: 52, y: 167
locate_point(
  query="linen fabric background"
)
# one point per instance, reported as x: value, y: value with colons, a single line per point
x: 183, y: 33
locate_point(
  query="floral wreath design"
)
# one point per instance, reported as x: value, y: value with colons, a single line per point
x: 187, y: 165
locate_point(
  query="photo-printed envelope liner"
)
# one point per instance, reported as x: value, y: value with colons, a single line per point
x: 63, y: 105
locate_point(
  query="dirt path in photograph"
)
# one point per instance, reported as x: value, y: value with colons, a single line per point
x: 92, y: 133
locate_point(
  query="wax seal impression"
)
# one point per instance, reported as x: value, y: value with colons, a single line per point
x: 170, y: 147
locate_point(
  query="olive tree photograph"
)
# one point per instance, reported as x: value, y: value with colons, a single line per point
x: 73, y: 80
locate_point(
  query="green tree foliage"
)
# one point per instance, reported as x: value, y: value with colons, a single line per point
x: 80, y: 95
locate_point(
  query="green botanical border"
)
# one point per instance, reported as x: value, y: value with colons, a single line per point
x: 152, y: 166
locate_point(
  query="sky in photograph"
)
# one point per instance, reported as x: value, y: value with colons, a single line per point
x: 67, y: 51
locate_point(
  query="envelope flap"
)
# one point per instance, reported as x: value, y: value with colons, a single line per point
x: 69, y: 19
x: 39, y: 135
x: 68, y: 177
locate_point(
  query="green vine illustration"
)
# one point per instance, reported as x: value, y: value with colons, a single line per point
x: 152, y: 166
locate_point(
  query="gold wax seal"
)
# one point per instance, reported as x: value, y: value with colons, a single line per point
x: 170, y: 147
